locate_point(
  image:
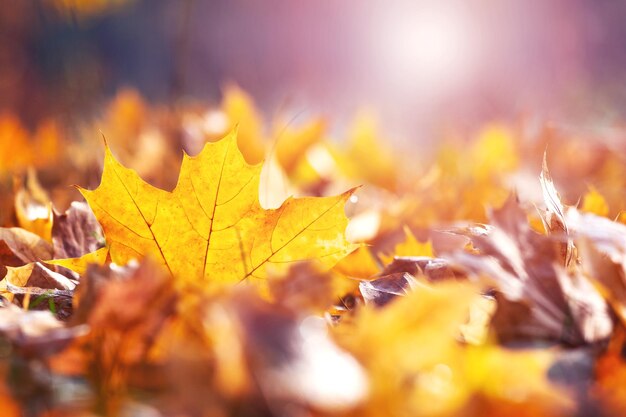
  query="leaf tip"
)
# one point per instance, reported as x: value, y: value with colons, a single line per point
x: 104, y: 139
x: 234, y: 131
x: 348, y: 193
x: 83, y: 191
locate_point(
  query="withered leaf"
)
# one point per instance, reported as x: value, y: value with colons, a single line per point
x: 36, y: 333
x: 19, y: 247
x: 602, y: 246
x: 76, y: 232
x: 433, y: 269
x: 554, y: 217
x: 400, y: 277
x: 382, y: 290
x: 38, y: 282
x: 35, y: 278
x: 538, y: 298
x: 295, y: 358
x: 126, y: 310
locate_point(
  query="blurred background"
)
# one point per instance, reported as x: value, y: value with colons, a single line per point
x: 422, y: 66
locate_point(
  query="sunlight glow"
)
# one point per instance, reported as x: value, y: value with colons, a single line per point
x: 433, y: 45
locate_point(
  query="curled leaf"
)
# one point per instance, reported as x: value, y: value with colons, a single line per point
x: 554, y: 218
x: 536, y: 296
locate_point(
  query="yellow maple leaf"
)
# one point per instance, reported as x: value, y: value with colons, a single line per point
x: 240, y: 111
x: 439, y: 376
x: 494, y: 152
x: 211, y: 227
x: 366, y: 157
x: 359, y: 264
x: 292, y: 143
x: 424, y: 323
x: 80, y: 264
x: 410, y: 246
x: 594, y: 202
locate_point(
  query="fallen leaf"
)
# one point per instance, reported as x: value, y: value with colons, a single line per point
x: 293, y: 143
x: 307, y: 289
x: 81, y: 264
x: 434, y: 269
x: 296, y: 359
x: 365, y: 157
x: 537, y: 297
x: 494, y: 152
x: 36, y: 333
x: 76, y: 232
x: 602, y: 246
x: 33, y: 207
x: 126, y: 310
x: 358, y: 264
x: 239, y: 108
x: 211, y: 228
x: 38, y: 287
x: 35, y: 278
x: 409, y: 247
x: 19, y: 247
x: 381, y: 291
x: 594, y: 202
x: 554, y: 218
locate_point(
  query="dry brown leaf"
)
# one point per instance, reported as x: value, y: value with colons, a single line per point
x: 537, y: 297
x: 554, y: 217
x: 36, y: 334
x: 19, y: 247
x: 76, y: 232
x: 602, y: 247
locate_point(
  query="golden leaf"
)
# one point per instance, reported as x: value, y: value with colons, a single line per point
x: 240, y: 111
x: 80, y: 264
x: 410, y: 246
x: 359, y: 264
x: 494, y: 152
x: 366, y: 157
x: 293, y: 143
x: 594, y: 202
x: 33, y: 208
x: 211, y: 227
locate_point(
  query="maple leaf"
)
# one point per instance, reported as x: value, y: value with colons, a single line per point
x: 240, y: 110
x: 409, y: 247
x: 293, y: 143
x: 33, y: 208
x: 365, y: 156
x: 426, y: 323
x: 211, y: 227
x: 594, y: 202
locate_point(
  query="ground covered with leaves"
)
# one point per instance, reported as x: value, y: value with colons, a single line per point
x: 208, y: 262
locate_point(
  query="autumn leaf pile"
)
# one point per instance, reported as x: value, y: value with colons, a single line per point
x: 208, y: 262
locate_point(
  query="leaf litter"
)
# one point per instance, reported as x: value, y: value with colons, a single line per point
x: 439, y: 288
